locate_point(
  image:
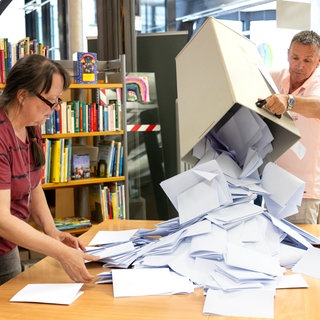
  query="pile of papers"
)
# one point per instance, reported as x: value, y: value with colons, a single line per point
x: 221, y: 241
x: 235, y: 250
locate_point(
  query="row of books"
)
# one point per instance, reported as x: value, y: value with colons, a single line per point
x: 110, y: 153
x: 62, y: 165
x: 71, y: 223
x: 77, y: 116
x: 10, y: 52
x: 58, y: 153
x: 107, y: 202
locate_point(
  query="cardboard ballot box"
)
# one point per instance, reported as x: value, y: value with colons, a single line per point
x: 218, y: 72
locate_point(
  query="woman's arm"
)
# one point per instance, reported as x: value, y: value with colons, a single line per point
x: 22, y: 234
x: 41, y: 215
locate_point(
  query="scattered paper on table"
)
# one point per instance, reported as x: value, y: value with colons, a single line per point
x: 309, y: 263
x: 54, y: 293
x: 292, y: 281
x: 235, y: 303
x: 148, y: 281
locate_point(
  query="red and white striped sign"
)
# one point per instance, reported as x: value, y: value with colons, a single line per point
x: 103, y: 97
x: 143, y: 127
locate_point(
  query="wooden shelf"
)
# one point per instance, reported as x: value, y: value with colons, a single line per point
x: 88, y: 86
x: 77, y: 231
x: 95, y: 85
x: 81, y: 182
x: 82, y: 134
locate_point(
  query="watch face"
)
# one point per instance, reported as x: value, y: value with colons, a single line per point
x: 291, y: 102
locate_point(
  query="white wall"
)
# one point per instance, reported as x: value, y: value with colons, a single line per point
x: 276, y: 40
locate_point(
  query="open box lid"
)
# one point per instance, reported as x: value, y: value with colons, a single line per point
x: 219, y: 71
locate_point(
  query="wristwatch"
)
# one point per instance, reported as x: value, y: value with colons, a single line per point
x: 291, y: 102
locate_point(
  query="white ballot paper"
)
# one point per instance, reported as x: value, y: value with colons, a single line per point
x: 149, y: 281
x: 53, y: 293
x: 198, y: 190
x: 253, y: 303
x: 286, y: 191
x: 111, y: 237
x: 309, y: 263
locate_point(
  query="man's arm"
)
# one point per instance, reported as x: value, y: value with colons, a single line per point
x: 307, y: 106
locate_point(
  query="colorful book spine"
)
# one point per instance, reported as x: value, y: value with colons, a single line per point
x: 56, y: 117
x: 118, y: 155
x: 48, y: 161
x: 2, y: 62
x: 105, y: 118
x: 76, y: 112
x: 62, y: 161
x: 55, y: 160
x: 84, y: 117
x: 69, y: 146
x: 111, y: 116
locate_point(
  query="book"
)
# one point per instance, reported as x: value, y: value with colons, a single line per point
x: 76, y: 111
x: 85, y: 67
x: 68, y: 145
x: 111, y: 116
x: 118, y: 155
x: 55, y: 160
x: 63, y: 117
x: 69, y: 118
x: 84, y: 117
x: 56, y: 118
x: 80, y: 166
x: 122, y: 202
x: 2, y: 62
x: 105, y: 118
x: 96, y: 203
x: 106, y: 152
x: 70, y: 223
x: 47, y: 150
x: 62, y: 160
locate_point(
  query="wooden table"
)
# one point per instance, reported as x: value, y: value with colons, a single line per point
x: 98, y: 302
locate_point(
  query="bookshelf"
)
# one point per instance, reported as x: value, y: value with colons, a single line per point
x: 114, y: 72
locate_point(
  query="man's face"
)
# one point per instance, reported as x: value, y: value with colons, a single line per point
x: 303, y: 60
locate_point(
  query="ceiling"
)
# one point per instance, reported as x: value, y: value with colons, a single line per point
x: 191, y: 9
x: 187, y: 10
x: 3, y: 5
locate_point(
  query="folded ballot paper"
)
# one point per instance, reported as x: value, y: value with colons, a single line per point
x: 189, y: 190
x: 52, y: 293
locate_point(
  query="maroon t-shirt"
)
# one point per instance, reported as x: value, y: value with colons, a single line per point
x: 17, y: 173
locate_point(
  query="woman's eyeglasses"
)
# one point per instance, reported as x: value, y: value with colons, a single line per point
x: 47, y: 102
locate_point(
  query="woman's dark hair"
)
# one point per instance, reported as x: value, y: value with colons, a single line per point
x: 32, y: 73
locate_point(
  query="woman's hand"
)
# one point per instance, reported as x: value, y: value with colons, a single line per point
x: 73, y: 258
x: 69, y: 240
x: 72, y: 261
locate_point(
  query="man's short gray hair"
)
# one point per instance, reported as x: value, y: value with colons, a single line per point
x: 307, y: 37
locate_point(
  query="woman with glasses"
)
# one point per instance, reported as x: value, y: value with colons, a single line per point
x: 32, y: 92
